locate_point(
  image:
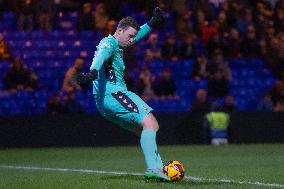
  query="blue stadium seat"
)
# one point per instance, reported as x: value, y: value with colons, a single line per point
x: 88, y: 35
x: 9, y: 15
x: 255, y: 62
x: 270, y: 82
x: 23, y: 95
x: 141, y: 17
x: 237, y: 63
x: 37, y: 35
x: 202, y: 84
x: 18, y: 35
x: 45, y: 44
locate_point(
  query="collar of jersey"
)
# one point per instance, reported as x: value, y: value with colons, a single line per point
x: 116, y: 42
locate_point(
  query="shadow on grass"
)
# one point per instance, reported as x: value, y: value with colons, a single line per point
x: 182, y: 183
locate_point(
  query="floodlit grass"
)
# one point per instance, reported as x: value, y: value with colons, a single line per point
x: 262, y: 163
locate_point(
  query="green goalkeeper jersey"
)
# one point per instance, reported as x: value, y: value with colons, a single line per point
x: 108, y: 61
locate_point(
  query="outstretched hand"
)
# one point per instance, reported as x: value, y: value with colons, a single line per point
x: 158, y: 18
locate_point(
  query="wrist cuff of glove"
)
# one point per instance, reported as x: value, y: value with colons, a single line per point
x: 152, y: 22
x: 93, y: 74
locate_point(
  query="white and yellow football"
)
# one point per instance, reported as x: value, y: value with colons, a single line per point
x: 174, y: 170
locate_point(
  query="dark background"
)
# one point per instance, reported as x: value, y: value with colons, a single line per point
x: 93, y: 130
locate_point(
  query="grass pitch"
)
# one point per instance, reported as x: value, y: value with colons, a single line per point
x: 243, y: 166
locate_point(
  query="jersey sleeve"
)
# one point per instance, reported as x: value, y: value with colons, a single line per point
x: 143, y: 31
x: 104, y: 51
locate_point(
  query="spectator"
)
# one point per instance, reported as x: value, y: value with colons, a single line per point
x: 170, y: 48
x: 244, y: 21
x: 165, y: 87
x: 215, y: 44
x: 153, y: 50
x: 278, y: 19
x: 263, y: 16
x: 187, y: 49
x: 205, y: 7
x: 200, y: 68
x: 70, y: 83
x: 55, y: 104
x: 86, y: 20
x: 179, y: 7
x: 264, y: 8
x: 269, y: 30
x: 44, y: 12
x: 71, y: 104
x: 147, y: 60
x: 145, y: 84
x: 203, y: 28
x: 279, y: 106
x: 234, y: 13
x: 265, y: 104
x: 218, y: 86
x: 229, y: 105
x: 110, y: 28
x: 5, y: 50
x: 277, y: 92
x: 184, y: 25
x: 201, y: 103
x: 270, y: 55
x: 217, y: 123
x: 222, y: 24
x: 219, y: 65
x: 278, y: 46
x: 20, y: 77
x: 233, y: 45
x: 272, y: 51
x: 26, y: 11
x: 101, y: 17
x: 249, y: 46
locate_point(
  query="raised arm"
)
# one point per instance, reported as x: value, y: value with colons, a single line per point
x: 157, y: 19
x: 143, y: 31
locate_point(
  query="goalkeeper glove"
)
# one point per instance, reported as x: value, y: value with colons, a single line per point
x: 158, y: 18
x: 85, y: 78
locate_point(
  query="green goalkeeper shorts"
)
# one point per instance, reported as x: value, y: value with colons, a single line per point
x: 123, y: 108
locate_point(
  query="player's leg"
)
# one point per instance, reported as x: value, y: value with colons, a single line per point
x: 148, y: 140
x: 148, y: 143
x: 149, y: 146
x: 130, y: 112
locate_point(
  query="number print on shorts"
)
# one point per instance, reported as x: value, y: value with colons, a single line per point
x: 125, y: 101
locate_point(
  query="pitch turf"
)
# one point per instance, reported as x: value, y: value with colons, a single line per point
x: 244, y: 166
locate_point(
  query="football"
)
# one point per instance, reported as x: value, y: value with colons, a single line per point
x: 174, y: 170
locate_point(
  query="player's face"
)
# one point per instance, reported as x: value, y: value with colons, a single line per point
x: 127, y: 36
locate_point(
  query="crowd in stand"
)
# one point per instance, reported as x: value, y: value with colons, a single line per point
x: 209, y: 32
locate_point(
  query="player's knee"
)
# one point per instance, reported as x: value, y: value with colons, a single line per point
x: 151, y: 126
x: 150, y: 122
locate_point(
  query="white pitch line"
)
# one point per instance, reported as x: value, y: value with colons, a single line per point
x: 200, y: 179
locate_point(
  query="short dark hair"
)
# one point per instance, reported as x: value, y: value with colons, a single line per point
x: 128, y: 22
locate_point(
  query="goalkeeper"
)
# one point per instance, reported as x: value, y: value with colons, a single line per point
x: 114, y: 101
